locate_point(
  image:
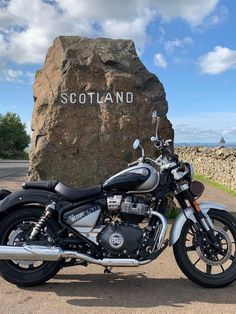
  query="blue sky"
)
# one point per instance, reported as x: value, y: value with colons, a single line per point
x: 190, y: 45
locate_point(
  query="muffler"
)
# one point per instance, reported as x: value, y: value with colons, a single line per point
x: 30, y: 253
x: 44, y: 253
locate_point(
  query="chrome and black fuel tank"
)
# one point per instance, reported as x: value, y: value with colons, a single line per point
x: 141, y: 178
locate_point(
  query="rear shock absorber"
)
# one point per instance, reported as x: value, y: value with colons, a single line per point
x: 47, y: 214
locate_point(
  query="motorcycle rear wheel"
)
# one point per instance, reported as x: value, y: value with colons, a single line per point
x: 201, y: 269
x: 23, y: 273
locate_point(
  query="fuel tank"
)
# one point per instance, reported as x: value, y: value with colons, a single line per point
x: 141, y: 178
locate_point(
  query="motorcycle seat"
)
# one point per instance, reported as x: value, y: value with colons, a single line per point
x: 77, y: 194
x: 40, y: 185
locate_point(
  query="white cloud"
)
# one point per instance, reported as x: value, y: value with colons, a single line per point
x: 205, y: 127
x: 229, y: 132
x: 192, y: 11
x: 160, y: 61
x: 219, y: 16
x: 16, y: 76
x: 126, y: 29
x: 217, y: 61
x: 10, y: 75
x: 6, y: 18
x: 29, y: 28
x: 170, y: 45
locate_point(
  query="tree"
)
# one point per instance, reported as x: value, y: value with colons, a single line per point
x: 13, y: 136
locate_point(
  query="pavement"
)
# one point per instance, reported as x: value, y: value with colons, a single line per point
x: 159, y: 287
x: 13, y: 173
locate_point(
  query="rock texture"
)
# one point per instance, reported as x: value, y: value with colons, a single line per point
x: 83, y: 144
x: 218, y: 164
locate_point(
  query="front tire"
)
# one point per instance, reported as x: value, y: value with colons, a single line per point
x: 203, y: 269
x: 18, y: 272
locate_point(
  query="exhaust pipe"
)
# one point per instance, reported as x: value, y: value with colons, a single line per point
x: 44, y: 253
x: 30, y: 253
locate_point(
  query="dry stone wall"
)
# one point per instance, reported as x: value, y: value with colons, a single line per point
x: 218, y: 164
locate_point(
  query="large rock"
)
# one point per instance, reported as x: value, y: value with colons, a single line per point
x: 84, y: 143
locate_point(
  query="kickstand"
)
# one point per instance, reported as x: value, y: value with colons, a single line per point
x: 107, y: 270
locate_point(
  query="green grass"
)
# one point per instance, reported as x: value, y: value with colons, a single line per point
x: 200, y: 177
x: 15, y: 156
x: 173, y: 213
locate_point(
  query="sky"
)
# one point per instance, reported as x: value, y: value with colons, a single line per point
x: 190, y: 45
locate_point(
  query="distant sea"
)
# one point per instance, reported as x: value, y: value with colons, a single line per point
x: 231, y: 145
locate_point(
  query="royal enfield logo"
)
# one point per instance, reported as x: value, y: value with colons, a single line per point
x: 116, y: 240
x: 96, y: 98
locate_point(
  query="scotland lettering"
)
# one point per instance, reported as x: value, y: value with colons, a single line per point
x: 96, y: 98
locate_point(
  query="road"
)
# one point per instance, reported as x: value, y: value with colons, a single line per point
x: 13, y: 173
x: 159, y: 287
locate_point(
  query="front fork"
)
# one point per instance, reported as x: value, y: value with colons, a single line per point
x: 204, y: 223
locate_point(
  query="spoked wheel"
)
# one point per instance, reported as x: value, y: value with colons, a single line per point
x: 200, y: 261
x: 14, y: 230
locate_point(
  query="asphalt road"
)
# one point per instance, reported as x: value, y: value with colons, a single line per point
x: 12, y: 174
x: 13, y: 168
x: 159, y: 287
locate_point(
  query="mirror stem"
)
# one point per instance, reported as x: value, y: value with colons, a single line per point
x: 143, y: 153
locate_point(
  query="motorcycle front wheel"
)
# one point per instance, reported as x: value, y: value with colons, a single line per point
x: 14, y: 228
x: 199, y: 260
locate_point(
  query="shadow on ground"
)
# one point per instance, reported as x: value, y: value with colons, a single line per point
x: 133, y: 291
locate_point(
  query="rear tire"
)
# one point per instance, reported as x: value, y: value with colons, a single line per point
x: 11, y: 271
x: 209, y: 280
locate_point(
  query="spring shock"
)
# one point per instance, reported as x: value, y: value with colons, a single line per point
x: 47, y: 214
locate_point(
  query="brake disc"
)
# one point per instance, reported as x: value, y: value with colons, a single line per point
x: 227, y: 254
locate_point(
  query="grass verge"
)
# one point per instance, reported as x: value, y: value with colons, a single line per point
x: 213, y: 183
x: 173, y: 213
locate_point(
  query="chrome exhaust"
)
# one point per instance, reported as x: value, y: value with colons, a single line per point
x: 30, y: 253
x: 53, y: 254
x: 160, y: 235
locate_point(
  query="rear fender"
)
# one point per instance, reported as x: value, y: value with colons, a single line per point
x: 23, y: 197
x: 4, y: 194
x: 189, y: 214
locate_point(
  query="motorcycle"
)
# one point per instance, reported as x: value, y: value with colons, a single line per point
x: 48, y: 225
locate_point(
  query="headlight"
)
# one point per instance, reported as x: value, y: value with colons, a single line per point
x: 197, y: 188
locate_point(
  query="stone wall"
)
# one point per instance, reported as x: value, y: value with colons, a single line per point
x: 218, y: 164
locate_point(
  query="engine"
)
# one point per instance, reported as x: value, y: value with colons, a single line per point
x: 120, y: 239
x: 124, y: 239
x: 131, y: 209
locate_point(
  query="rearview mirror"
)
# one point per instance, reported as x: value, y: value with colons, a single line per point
x: 136, y: 144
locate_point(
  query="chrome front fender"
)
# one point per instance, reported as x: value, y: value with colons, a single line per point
x: 189, y: 214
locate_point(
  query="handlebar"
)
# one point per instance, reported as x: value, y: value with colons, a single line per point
x: 134, y: 163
